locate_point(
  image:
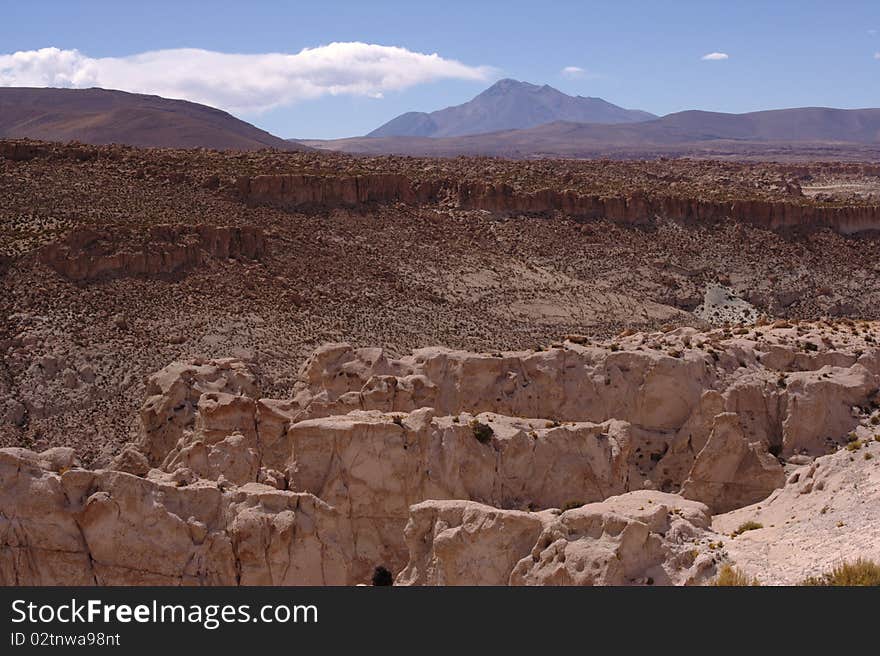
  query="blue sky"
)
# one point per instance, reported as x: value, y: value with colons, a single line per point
x: 645, y: 55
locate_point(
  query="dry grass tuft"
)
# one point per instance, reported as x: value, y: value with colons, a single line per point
x: 862, y: 572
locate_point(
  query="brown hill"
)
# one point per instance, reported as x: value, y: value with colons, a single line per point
x: 102, y: 116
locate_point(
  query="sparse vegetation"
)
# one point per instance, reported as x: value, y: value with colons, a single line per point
x: 730, y: 576
x: 862, y: 572
x: 746, y: 526
x: 571, y: 505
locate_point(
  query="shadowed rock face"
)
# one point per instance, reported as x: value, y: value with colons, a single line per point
x: 445, y: 466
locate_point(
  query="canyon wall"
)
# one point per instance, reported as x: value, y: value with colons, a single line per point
x: 291, y: 191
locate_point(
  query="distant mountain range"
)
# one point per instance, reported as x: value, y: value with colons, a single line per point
x: 461, y: 130
x: 537, y: 121
x: 508, y: 105
x: 100, y: 116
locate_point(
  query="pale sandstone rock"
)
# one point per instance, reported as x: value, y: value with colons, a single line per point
x: 230, y: 457
x: 112, y: 528
x: 174, y: 394
x: 730, y: 472
x: 820, y: 405
x: 643, y: 537
x: 647, y: 388
x: 130, y: 460
x: 467, y: 543
x: 373, y: 436
x: 373, y: 469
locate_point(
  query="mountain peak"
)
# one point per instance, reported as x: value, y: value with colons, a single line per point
x: 508, y: 105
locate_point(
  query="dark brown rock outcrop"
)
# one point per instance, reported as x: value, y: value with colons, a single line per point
x: 88, y: 253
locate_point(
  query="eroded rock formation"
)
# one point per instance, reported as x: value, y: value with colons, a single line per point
x: 447, y: 467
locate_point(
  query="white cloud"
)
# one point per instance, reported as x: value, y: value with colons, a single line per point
x: 877, y: 55
x: 240, y: 83
x: 872, y: 32
x: 573, y: 71
x: 715, y: 56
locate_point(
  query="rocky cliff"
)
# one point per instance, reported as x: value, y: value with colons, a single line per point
x: 293, y: 191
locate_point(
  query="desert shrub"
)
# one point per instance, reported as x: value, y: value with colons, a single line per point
x: 733, y: 577
x: 483, y: 432
x: 862, y: 572
x: 854, y: 446
x: 571, y: 505
x: 747, y: 526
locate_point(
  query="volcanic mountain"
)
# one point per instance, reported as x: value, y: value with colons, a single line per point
x: 102, y: 116
x: 508, y: 105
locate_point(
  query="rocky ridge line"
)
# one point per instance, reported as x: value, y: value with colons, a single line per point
x: 293, y: 191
